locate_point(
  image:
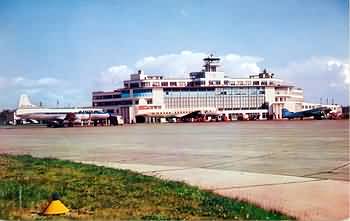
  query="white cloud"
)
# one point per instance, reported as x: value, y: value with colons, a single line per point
x: 236, y: 65
x: 45, y: 89
x: 19, y: 81
x: 31, y: 91
x: 113, y: 77
x: 340, y: 67
x: 186, y: 61
x: 320, y: 77
x: 176, y: 65
x: 47, y: 81
x: 172, y: 64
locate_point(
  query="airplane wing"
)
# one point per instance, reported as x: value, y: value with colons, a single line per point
x: 61, y: 117
x: 192, y: 114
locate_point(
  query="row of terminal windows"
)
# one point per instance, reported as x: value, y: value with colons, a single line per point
x: 163, y: 84
x: 196, y: 83
x: 211, y: 89
x: 152, y: 77
x: 193, y: 92
x: 281, y: 99
x: 240, y: 102
x: 312, y: 107
x: 117, y: 103
x: 112, y: 103
x: 189, y: 92
x: 308, y: 107
x: 142, y: 92
x: 126, y: 94
x: 188, y: 89
x: 242, y: 83
x: 106, y: 97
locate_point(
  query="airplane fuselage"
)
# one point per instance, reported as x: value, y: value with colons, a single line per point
x: 317, y: 113
x: 61, y: 114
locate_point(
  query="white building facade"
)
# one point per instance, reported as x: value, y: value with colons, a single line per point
x: 153, y: 98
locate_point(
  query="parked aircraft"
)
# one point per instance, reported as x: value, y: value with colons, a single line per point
x: 28, y: 112
x: 317, y: 113
x: 335, y: 115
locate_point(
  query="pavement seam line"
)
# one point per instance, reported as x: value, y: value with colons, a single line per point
x: 268, y: 184
x: 215, y: 165
x: 187, y: 168
x: 327, y: 171
x: 165, y: 170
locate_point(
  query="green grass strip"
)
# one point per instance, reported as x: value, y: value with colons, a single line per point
x: 99, y: 193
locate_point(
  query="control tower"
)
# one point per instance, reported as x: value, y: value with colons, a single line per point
x: 211, y: 63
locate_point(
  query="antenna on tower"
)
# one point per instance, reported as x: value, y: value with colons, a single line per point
x: 211, y: 63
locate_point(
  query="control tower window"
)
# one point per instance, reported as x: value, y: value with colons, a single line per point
x: 134, y: 85
x: 145, y: 84
x: 214, y: 82
x: 211, y: 63
x: 199, y: 83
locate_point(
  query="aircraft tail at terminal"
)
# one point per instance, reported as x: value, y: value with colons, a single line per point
x: 24, y: 102
x: 28, y: 112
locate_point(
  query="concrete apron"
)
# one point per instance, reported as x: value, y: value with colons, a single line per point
x: 304, y: 198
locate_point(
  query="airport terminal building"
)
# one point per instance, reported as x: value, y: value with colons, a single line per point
x: 209, y: 92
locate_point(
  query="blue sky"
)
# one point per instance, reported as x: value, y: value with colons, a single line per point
x: 62, y: 49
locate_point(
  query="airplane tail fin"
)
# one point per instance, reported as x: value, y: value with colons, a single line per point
x: 285, y: 112
x: 24, y: 102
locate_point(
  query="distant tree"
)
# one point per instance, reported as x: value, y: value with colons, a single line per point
x: 5, y: 116
x: 2, y: 118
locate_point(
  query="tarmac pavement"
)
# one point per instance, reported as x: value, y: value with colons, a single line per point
x: 298, y: 167
x: 303, y: 197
